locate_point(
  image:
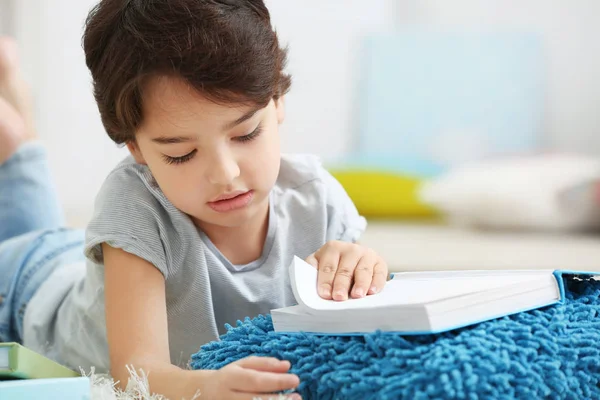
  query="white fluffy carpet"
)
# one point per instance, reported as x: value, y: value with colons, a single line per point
x: 103, y: 388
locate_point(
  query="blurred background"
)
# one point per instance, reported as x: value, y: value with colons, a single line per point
x: 466, y: 131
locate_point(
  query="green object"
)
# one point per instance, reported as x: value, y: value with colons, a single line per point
x: 19, y: 362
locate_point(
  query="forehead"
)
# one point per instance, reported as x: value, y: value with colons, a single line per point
x: 171, y: 100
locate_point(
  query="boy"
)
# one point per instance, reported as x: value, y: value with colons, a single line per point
x: 195, y: 229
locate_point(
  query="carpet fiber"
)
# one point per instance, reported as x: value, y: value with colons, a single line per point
x: 551, y: 353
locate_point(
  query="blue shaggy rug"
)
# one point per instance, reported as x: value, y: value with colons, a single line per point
x: 551, y: 353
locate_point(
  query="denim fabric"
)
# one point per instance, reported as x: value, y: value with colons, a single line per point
x: 33, y: 242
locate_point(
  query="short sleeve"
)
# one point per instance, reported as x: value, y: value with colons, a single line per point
x: 344, y: 222
x: 128, y: 215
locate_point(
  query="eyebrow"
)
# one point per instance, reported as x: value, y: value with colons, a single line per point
x: 172, y: 140
x: 243, y: 118
x: 185, y: 139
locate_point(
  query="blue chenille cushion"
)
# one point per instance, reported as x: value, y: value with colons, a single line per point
x: 550, y: 353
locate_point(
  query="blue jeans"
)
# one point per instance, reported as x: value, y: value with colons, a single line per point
x: 33, y: 240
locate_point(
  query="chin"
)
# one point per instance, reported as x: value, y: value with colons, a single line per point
x: 231, y: 219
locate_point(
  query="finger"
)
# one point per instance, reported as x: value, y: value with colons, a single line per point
x: 363, y: 274
x: 380, y: 274
x: 266, y: 364
x: 262, y: 396
x: 329, y: 257
x: 345, y: 272
x: 312, y: 260
x: 252, y: 381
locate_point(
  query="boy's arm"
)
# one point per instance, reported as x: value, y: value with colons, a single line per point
x: 136, y: 324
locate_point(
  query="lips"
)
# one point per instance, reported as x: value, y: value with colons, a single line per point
x: 229, y: 196
x: 231, y: 201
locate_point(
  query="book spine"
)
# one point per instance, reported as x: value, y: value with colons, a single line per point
x: 560, y: 279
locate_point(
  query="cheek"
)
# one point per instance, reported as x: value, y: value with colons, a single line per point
x: 178, y: 183
x: 261, y: 163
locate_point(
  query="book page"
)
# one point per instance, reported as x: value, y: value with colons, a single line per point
x: 411, y: 289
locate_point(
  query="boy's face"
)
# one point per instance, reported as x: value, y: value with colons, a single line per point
x: 213, y: 162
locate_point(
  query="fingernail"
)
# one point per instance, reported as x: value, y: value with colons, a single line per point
x: 340, y: 295
x: 373, y: 290
x: 325, y: 292
x: 358, y: 293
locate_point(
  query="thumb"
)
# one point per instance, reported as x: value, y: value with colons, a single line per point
x: 312, y: 260
x: 265, y: 364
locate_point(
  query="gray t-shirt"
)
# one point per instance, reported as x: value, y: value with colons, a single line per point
x: 204, y: 291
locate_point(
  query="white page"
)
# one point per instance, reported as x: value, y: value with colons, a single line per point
x: 406, y: 289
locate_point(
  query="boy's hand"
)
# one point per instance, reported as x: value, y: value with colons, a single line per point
x: 251, y: 378
x: 348, y: 268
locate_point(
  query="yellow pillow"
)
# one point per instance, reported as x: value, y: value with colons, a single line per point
x: 382, y: 194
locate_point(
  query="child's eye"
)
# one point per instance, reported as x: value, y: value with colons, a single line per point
x: 250, y: 136
x: 179, y: 160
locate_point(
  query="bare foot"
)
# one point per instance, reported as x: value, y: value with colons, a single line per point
x: 16, y: 119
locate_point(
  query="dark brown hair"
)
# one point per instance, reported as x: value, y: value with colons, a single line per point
x: 224, y: 49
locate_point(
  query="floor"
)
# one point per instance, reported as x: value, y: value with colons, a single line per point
x: 414, y: 246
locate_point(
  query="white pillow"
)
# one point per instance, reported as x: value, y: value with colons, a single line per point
x: 558, y: 192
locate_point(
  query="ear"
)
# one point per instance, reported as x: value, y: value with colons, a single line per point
x: 134, y: 149
x: 280, y: 107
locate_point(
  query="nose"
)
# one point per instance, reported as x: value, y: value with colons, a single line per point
x: 222, y: 168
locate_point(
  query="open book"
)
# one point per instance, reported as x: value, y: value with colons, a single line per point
x: 419, y: 302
